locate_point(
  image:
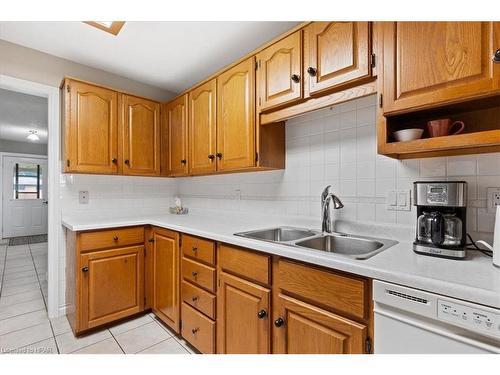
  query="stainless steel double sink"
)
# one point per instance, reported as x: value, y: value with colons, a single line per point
x: 356, y: 247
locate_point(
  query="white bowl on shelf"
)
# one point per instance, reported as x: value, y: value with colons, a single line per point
x: 408, y: 134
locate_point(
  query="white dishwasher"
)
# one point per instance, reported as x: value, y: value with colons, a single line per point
x: 410, y: 321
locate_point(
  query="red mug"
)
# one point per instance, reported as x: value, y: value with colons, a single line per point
x: 442, y: 127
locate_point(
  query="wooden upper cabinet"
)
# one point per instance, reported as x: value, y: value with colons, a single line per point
x: 112, y: 285
x: 243, y: 323
x: 307, y: 329
x: 279, y: 72
x: 236, y: 117
x: 166, y: 277
x: 429, y: 63
x: 335, y: 54
x: 176, y: 118
x: 202, y: 128
x: 141, y: 136
x: 91, y: 129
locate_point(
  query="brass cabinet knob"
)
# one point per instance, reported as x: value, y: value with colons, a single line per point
x: 211, y: 156
x: 114, y: 160
x: 295, y: 78
x: 312, y: 71
x: 127, y: 161
x: 183, y: 161
x: 219, y: 155
x: 85, y: 269
x: 262, y: 314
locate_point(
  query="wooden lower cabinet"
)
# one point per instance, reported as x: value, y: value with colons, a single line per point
x: 198, y: 330
x: 166, y: 277
x: 302, y: 328
x: 111, y: 285
x: 243, y: 325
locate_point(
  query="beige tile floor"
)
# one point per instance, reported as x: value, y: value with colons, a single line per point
x: 26, y: 328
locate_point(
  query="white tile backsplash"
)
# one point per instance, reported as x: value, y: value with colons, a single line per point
x: 337, y: 146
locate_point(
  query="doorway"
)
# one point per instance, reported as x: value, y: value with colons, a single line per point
x: 38, y: 178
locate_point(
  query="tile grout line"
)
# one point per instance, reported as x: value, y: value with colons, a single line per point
x: 20, y: 329
x: 114, y: 338
x: 174, y: 336
x: 170, y: 338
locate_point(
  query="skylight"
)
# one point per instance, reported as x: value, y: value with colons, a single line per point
x: 112, y: 27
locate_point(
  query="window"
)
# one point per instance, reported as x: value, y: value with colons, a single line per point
x: 112, y: 27
x: 28, y: 181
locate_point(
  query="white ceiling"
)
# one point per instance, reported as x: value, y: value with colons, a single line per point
x: 20, y: 113
x: 170, y: 55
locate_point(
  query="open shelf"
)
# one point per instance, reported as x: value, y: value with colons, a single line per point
x: 481, y: 133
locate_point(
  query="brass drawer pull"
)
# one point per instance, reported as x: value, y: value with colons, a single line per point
x: 195, y: 298
x: 194, y: 273
x: 195, y: 331
x: 115, y: 238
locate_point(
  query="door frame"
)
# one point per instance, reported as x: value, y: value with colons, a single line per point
x: 14, y: 155
x: 55, y: 234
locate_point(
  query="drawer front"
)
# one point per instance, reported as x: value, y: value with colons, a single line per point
x: 111, y: 238
x: 245, y: 263
x: 198, y: 330
x: 339, y: 292
x: 199, y: 249
x: 198, y: 274
x: 198, y: 298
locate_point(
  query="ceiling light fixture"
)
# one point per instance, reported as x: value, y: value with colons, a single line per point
x: 112, y: 27
x: 32, y: 136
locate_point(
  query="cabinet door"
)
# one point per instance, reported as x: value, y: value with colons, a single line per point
x: 177, y: 125
x: 112, y: 285
x: 166, y: 295
x: 236, y: 117
x: 91, y: 132
x: 243, y: 320
x: 427, y: 63
x: 306, y: 329
x: 335, y: 53
x: 279, y: 72
x: 202, y: 128
x: 141, y: 136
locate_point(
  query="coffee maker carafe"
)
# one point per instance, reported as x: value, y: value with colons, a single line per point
x: 441, y: 215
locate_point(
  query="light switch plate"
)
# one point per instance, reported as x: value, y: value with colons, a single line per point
x: 493, y: 194
x: 398, y: 200
x: 83, y: 197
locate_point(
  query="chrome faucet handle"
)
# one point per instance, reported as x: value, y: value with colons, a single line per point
x: 337, y: 203
x: 325, y: 193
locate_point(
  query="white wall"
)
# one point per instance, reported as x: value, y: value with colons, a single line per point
x: 337, y: 146
x: 23, y: 147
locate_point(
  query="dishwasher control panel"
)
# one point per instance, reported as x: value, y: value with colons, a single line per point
x: 473, y: 318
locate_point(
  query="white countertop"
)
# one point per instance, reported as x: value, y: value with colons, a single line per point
x: 474, y: 279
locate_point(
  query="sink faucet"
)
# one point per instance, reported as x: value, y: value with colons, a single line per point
x: 326, y: 198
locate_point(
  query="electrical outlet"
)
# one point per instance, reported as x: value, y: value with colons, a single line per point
x: 83, y: 197
x: 493, y: 194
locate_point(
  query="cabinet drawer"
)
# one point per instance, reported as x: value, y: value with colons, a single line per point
x: 198, y: 274
x: 198, y: 330
x: 111, y: 238
x: 199, y: 249
x: 340, y: 292
x: 199, y: 299
x: 245, y: 263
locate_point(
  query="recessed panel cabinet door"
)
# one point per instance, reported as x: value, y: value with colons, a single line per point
x: 202, y: 128
x: 166, y: 288
x: 335, y: 53
x: 301, y: 328
x: 279, y: 72
x: 91, y: 129
x: 244, y: 317
x: 176, y: 118
x: 236, y: 117
x: 112, y: 285
x: 427, y: 63
x: 141, y: 136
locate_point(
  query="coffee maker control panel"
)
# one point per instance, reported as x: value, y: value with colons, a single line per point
x: 437, y: 194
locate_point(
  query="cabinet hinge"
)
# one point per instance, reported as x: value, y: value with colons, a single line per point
x: 256, y: 157
x: 368, y: 345
x: 257, y: 65
x: 180, y: 241
x: 260, y: 101
x: 67, y: 162
x: 380, y: 101
x: 67, y: 88
x: 373, y: 60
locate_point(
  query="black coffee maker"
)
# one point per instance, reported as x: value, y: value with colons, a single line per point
x: 441, y: 218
